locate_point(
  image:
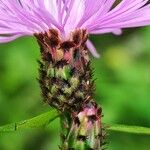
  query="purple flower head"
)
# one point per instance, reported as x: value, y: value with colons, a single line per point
x: 26, y: 17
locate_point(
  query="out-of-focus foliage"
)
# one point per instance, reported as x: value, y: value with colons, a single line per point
x: 122, y: 81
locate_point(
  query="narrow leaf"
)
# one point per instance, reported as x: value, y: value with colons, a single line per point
x: 46, y: 118
x: 130, y: 129
x: 34, y: 123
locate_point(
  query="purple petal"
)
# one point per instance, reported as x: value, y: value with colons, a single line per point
x: 128, y: 13
x: 92, y: 49
x: 26, y: 17
x: 9, y: 38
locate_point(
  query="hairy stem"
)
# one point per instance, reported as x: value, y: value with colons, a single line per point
x: 66, y: 84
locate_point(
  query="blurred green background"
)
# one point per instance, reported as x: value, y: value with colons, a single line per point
x: 123, y: 89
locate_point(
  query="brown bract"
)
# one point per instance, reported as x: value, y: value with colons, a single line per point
x: 65, y: 74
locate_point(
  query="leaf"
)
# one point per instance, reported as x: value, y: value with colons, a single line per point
x: 130, y: 129
x: 34, y: 123
x: 45, y: 119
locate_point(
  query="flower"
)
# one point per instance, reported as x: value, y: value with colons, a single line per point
x: 26, y: 17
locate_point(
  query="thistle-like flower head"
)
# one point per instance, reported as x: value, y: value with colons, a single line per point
x: 27, y: 17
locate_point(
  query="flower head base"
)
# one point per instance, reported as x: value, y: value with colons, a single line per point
x: 27, y: 17
x: 65, y: 74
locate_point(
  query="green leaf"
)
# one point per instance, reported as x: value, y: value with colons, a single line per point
x: 45, y: 119
x: 130, y: 129
x: 34, y: 123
